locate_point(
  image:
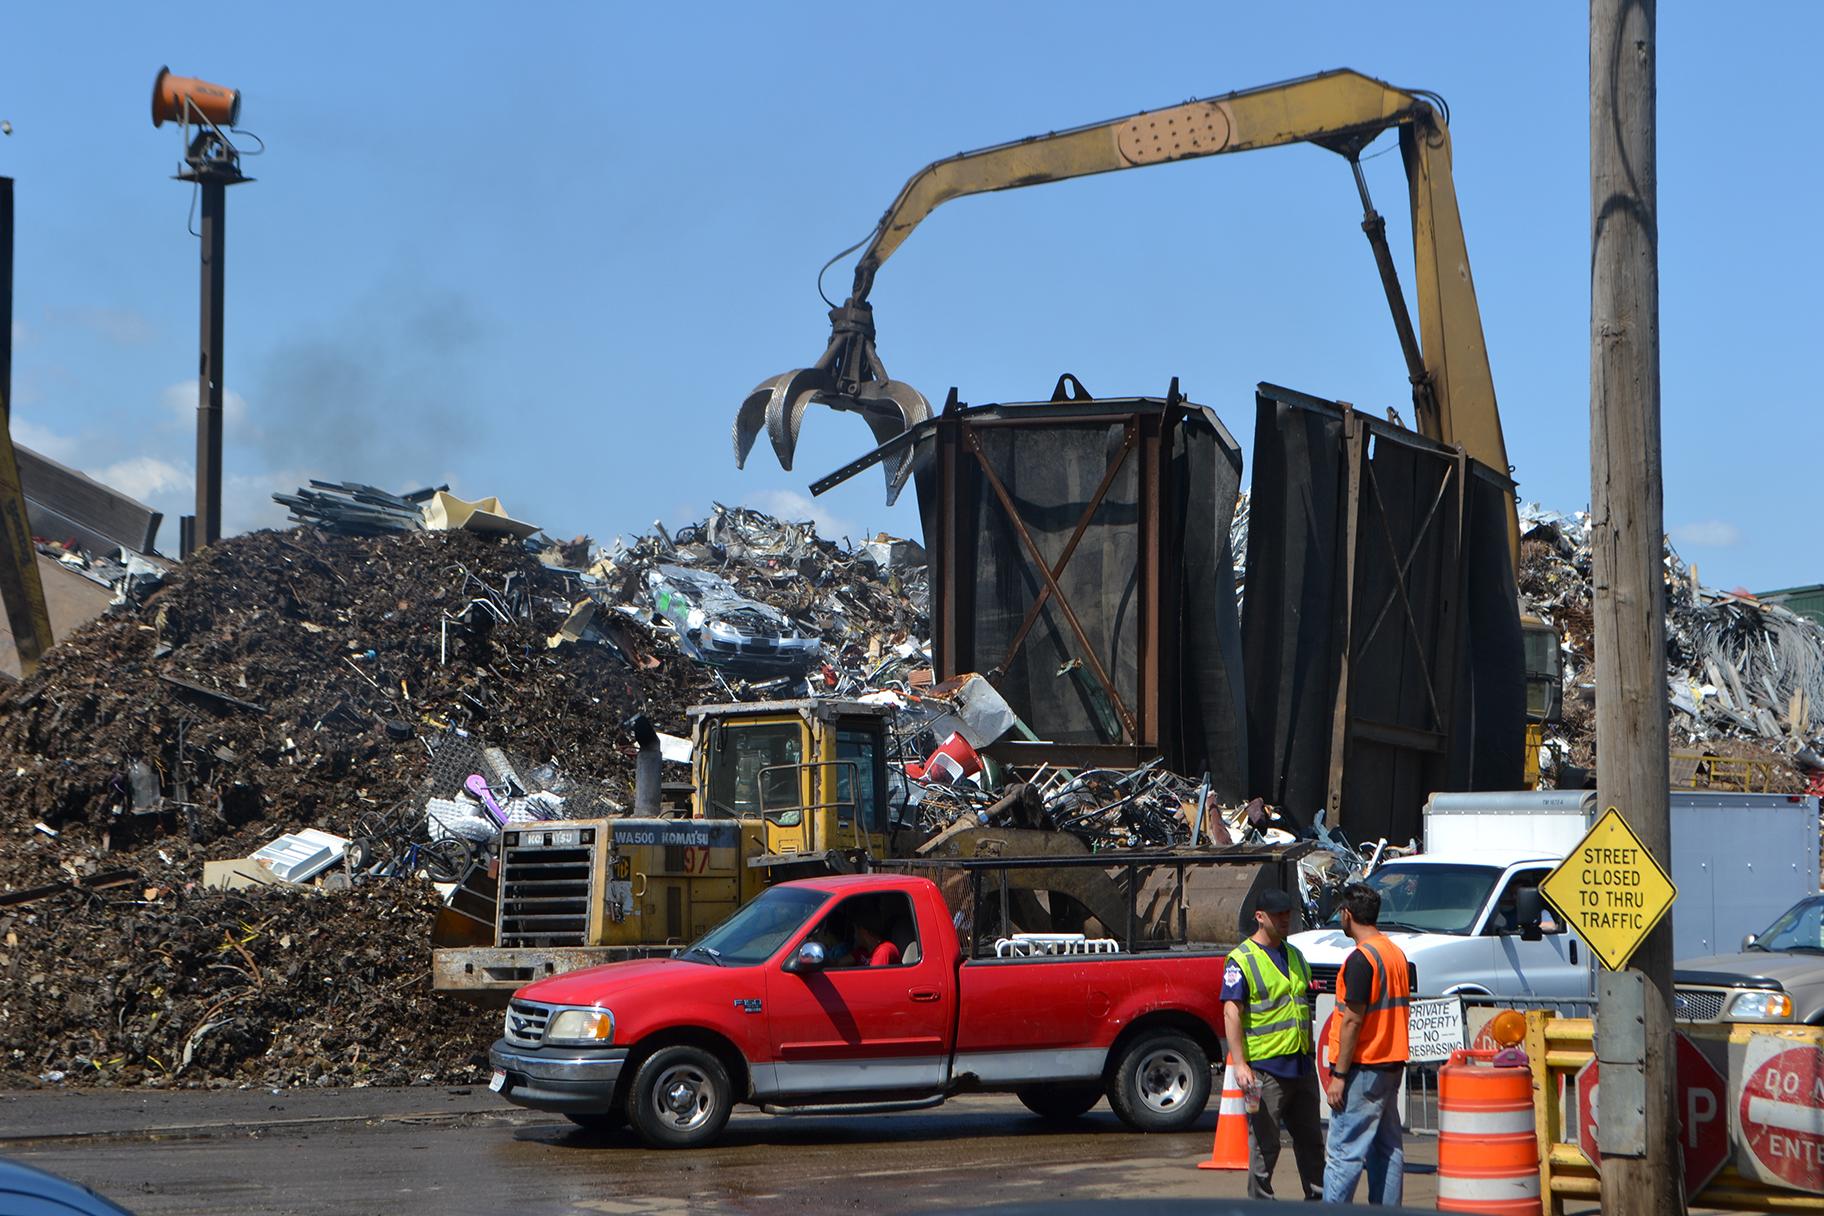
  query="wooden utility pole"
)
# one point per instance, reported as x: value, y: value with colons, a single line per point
x: 1637, y: 1116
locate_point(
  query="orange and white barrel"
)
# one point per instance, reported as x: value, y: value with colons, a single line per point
x: 1488, y: 1154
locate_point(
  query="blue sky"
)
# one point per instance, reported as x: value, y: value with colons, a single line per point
x: 544, y: 252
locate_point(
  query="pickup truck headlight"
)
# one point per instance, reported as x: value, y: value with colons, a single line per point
x: 581, y: 1028
x: 1761, y: 1007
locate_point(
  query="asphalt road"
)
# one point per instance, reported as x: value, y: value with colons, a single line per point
x: 453, y: 1152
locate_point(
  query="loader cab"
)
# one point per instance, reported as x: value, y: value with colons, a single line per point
x: 1544, y: 669
x: 1544, y: 655
x: 807, y: 779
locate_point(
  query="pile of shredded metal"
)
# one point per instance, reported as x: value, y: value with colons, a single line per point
x: 276, y: 682
x: 279, y: 681
x: 286, y: 680
x: 1745, y: 679
x: 870, y: 604
x: 183, y: 987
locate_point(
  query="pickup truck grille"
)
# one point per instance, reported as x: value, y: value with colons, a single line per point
x: 545, y: 895
x: 526, y: 1023
x: 1698, y: 1004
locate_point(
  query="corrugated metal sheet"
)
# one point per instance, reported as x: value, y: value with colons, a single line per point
x: 63, y: 505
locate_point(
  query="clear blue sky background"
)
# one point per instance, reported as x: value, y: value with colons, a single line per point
x: 543, y: 252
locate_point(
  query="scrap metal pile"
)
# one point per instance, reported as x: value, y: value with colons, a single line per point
x: 309, y: 680
x: 171, y: 985
x: 276, y: 682
x: 1745, y: 679
x: 772, y: 609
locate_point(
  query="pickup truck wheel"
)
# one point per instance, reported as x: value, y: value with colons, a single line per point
x: 680, y: 1098
x: 1059, y: 1103
x: 1161, y: 1083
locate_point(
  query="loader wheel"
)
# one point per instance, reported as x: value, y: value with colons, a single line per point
x: 1161, y: 1082
x: 680, y: 1098
x: 1059, y: 1103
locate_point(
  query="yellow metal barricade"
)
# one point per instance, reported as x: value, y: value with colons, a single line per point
x: 1743, y: 774
x: 1558, y: 1047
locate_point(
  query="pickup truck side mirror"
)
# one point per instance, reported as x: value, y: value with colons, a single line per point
x: 808, y: 958
x: 1529, y: 908
x: 1750, y: 940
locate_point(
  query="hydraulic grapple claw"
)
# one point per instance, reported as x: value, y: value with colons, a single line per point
x: 777, y: 404
x: 892, y: 407
x: 849, y: 376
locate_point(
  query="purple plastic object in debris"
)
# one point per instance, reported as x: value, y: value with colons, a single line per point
x: 478, y: 786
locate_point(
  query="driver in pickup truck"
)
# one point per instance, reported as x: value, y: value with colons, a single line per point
x: 1266, y: 1018
x: 873, y: 950
x: 856, y: 944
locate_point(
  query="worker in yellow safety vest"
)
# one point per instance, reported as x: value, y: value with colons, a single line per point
x: 1266, y: 1018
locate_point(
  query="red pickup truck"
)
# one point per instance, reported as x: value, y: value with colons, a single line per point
x: 779, y: 1007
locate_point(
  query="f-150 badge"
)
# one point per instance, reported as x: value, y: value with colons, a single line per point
x: 748, y: 1004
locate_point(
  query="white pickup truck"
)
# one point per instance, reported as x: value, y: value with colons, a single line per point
x: 1738, y: 861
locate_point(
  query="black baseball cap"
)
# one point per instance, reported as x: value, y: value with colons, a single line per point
x: 1275, y: 901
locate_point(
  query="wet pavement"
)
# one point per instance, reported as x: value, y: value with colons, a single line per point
x: 459, y: 1151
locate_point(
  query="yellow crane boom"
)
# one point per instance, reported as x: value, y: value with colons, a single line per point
x: 1343, y: 111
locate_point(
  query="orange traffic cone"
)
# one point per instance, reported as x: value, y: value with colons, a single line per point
x: 1230, y: 1151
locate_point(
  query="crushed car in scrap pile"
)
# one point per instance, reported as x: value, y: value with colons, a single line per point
x: 718, y: 625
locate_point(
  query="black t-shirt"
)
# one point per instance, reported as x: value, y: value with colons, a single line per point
x: 1358, y: 978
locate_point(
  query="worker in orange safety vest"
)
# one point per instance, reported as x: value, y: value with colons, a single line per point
x: 1367, y: 1058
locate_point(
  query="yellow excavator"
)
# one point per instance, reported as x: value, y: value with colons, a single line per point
x: 1343, y: 111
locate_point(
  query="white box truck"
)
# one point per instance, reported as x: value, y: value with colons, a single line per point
x: 1738, y: 860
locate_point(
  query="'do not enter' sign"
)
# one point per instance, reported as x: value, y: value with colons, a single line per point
x: 1779, y: 1119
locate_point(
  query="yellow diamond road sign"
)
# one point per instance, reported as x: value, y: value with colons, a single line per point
x: 1611, y: 890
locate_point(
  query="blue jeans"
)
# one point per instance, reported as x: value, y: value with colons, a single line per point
x: 1366, y: 1135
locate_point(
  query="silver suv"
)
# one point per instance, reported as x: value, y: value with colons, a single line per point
x: 1778, y: 976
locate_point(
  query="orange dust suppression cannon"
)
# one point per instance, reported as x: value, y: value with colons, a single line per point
x: 206, y: 114
x: 176, y: 98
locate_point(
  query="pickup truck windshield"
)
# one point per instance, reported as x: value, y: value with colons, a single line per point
x: 1431, y: 898
x: 752, y: 934
x: 1800, y: 927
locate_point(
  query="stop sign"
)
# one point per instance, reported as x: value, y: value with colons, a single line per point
x: 1704, y: 1120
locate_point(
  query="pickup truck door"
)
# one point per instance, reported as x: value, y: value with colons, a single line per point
x: 1556, y: 966
x: 860, y: 1029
